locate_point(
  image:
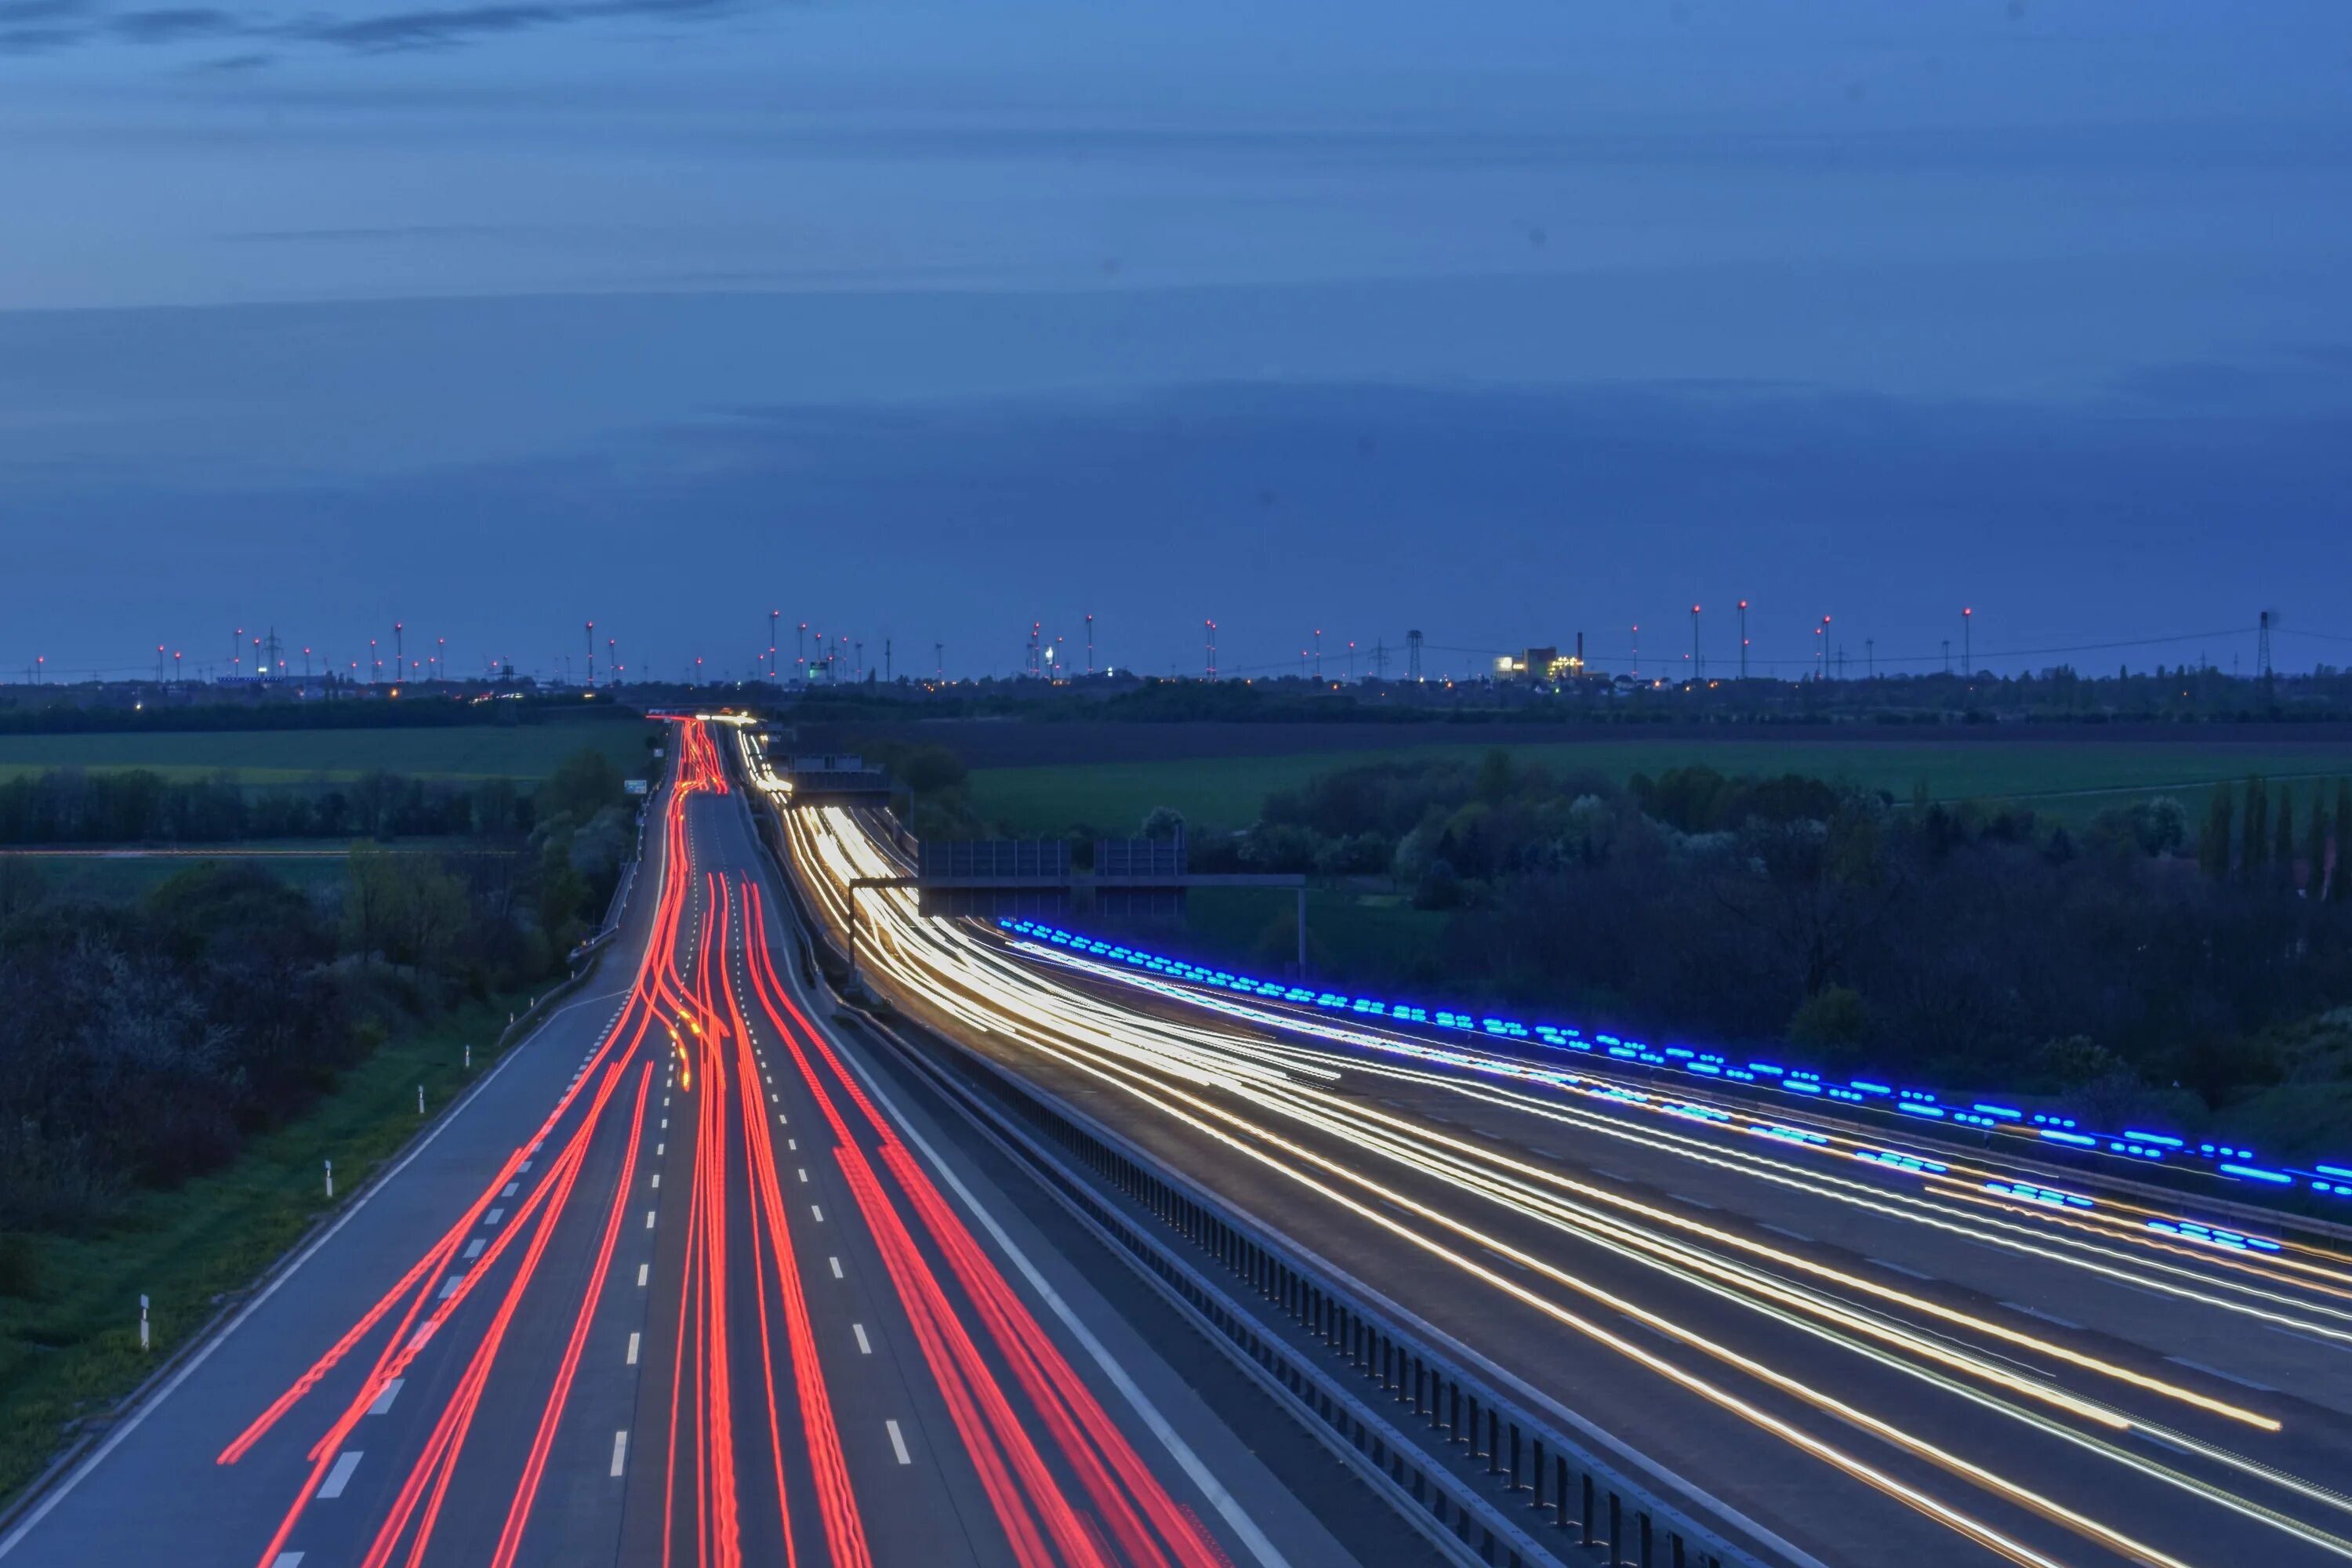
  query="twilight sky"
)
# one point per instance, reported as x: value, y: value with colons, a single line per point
x: 925, y: 320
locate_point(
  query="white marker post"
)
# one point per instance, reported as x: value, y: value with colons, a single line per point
x: 470, y: 1056
x: 420, y: 1099
x: 330, y: 1178
x: 143, y: 1322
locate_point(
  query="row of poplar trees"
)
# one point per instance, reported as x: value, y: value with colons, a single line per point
x: 2255, y: 844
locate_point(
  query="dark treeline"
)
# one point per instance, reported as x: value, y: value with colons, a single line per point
x: 1965, y: 945
x: 69, y: 711
x: 73, y: 805
x: 147, y: 1043
x: 135, y: 806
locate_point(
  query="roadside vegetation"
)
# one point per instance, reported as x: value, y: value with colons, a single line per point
x: 175, y: 1068
x: 2185, y: 958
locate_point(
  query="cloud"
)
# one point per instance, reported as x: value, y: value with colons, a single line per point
x: 173, y: 26
x: 35, y: 27
x: 441, y: 28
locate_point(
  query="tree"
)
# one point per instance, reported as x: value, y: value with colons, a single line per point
x: 1164, y: 822
x: 927, y: 770
x: 2339, y: 886
x: 2283, y: 843
x: 582, y: 785
x: 2255, y: 847
x: 2315, y: 849
x: 2213, y: 844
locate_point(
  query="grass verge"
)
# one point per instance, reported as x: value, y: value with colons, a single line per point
x: 70, y: 1351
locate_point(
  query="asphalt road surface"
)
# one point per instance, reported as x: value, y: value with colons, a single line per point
x: 1847, y: 1344
x: 682, y: 1281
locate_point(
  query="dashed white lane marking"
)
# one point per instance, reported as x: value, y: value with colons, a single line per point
x: 508, y: 1189
x: 384, y: 1401
x: 474, y: 1249
x: 620, y: 1449
x: 1899, y: 1269
x: 1783, y: 1230
x: 2038, y: 1312
x: 792, y: 1145
x: 862, y: 1348
x: 632, y: 1350
x: 641, y: 1268
x: 899, y: 1444
x: 837, y: 1267
x: 494, y: 1216
x: 818, y: 1211
x: 649, y: 1219
x: 287, y: 1559
x: 804, y: 1172
x: 1266, y: 1553
x: 1687, y: 1198
x: 657, y: 1178
x: 526, y: 1164
x: 450, y: 1285
x: 2224, y: 1377
x: 665, y: 1126
x: 340, y: 1476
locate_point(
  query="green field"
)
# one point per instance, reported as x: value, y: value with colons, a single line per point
x: 71, y: 1348
x: 2066, y: 778
x: 522, y: 752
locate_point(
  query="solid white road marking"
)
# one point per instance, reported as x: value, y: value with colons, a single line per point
x: 340, y: 1476
x: 862, y: 1348
x: 474, y: 1249
x: 620, y: 1449
x: 641, y: 1274
x: 837, y: 1267
x: 384, y: 1401
x: 899, y: 1444
x: 632, y: 1350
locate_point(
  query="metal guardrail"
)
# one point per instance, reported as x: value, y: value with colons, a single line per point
x: 1486, y: 1480
x: 1478, y: 1473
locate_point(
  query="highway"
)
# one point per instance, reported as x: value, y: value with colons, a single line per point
x: 687, y: 1279
x: 1847, y: 1346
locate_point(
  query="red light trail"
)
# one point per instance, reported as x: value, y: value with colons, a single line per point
x: 1060, y: 1480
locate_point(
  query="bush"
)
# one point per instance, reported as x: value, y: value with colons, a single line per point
x: 1831, y: 1021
